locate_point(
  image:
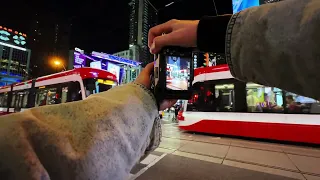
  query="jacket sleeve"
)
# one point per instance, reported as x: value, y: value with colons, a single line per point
x: 101, y: 137
x: 277, y: 45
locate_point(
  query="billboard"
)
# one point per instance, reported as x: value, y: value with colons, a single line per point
x: 96, y: 64
x: 239, y: 5
x: 114, y: 69
x: 13, y: 37
x: 79, y: 60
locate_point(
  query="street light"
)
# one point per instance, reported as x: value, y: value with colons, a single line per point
x: 57, y: 63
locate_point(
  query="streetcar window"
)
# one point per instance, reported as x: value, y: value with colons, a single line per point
x: 13, y: 100
x: 300, y: 104
x: 74, y: 92
x: 93, y: 86
x: 46, y: 96
x: 3, y: 99
x: 25, y: 98
x: 210, y: 97
x: 19, y: 100
x: 264, y: 99
x: 64, y: 95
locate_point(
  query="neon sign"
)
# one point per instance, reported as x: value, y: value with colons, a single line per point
x: 12, y: 37
x: 115, y: 58
x: 79, y: 60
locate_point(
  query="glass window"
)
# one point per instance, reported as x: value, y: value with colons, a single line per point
x: 264, y: 99
x: 13, y: 101
x: 300, y: 104
x: 3, y: 99
x: 64, y: 95
x: 209, y: 97
x: 19, y: 100
x: 46, y: 96
x: 25, y: 95
x: 93, y: 86
x: 74, y: 91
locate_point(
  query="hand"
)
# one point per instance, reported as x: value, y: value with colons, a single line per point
x: 176, y: 33
x: 144, y: 79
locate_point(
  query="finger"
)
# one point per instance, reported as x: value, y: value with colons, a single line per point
x: 159, y: 30
x: 148, y: 69
x: 144, y: 76
x: 172, y: 39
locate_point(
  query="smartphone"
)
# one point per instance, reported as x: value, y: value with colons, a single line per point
x: 173, y: 73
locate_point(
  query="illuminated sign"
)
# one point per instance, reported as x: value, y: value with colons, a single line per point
x: 107, y: 82
x: 114, y: 69
x: 115, y: 58
x: 14, y: 38
x: 79, y: 60
x: 96, y: 64
x: 79, y: 50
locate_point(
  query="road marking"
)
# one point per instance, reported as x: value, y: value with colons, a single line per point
x: 135, y: 176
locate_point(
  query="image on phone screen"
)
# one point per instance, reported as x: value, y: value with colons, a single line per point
x: 178, y: 73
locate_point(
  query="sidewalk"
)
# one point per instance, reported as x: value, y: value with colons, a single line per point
x: 222, y: 153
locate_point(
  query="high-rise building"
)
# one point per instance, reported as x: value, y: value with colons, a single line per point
x: 142, y: 18
x: 14, y: 56
x: 49, y: 37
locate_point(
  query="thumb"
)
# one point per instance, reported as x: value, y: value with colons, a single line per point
x: 148, y: 69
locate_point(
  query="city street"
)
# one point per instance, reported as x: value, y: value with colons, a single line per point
x: 192, y: 156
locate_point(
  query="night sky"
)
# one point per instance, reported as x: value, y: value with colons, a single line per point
x: 100, y: 25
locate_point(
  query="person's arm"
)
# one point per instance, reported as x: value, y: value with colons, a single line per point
x: 101, y: 137
x: 276, y: 44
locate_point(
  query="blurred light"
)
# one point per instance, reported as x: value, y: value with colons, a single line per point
x: 169, y: 4
x: 56, y: 62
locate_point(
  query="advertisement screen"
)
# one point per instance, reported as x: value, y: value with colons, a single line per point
x: 79, y: 60
x: 96, y: 64
x: 239, y: 5
x: 178, y: 73
x: 114, y: 69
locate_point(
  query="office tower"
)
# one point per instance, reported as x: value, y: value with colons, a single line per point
x: 14, y: 56
x: 142, y: 18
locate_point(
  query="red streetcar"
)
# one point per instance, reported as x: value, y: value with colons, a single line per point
x: 224, y: 105
x: 67, y: 86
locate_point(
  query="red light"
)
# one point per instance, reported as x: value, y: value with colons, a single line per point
x: 209, y: 93
x: 16, y: 32
x: 0, y: 27
x: 5, y: 28
x: 10, y: 30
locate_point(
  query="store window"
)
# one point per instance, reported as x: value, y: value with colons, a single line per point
x: 300, y: 104
x: 264, y: 99
x: 212, y: 98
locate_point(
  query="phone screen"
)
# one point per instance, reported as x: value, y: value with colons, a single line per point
x: 178, y: 73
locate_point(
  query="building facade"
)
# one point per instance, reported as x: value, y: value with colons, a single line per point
x: 142, y: 18
x: 14, y: 56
